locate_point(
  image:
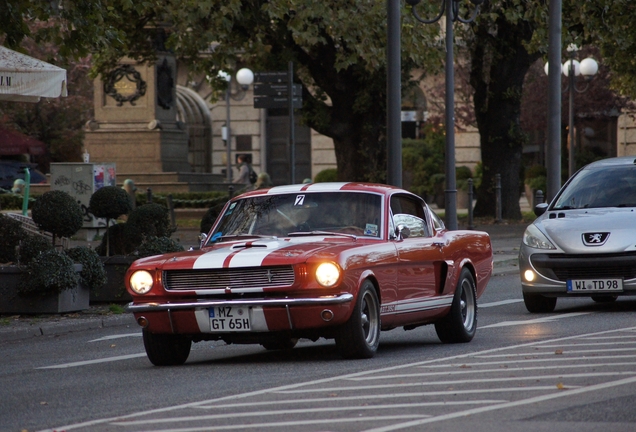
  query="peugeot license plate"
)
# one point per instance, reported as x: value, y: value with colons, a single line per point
x: 594, y: 285
x: 230, y: 319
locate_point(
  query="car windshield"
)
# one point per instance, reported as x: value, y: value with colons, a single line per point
x: 279, y: 215
x: 600, y: 187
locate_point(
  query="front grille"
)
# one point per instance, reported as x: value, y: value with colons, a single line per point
x: 234, y: 278
x: 566, y: 266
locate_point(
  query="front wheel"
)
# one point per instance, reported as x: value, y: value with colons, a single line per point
x: 460, y: 324
x: 166, y: 349
x: 536, y: 303
x: 360, y: 336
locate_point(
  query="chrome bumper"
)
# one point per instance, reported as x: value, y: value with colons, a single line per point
x: 315, y: 301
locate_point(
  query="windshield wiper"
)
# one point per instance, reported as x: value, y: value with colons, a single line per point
x: 308, y: 233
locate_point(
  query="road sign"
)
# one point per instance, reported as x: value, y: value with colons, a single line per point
x: 270, y: 77
x: 276, y: 89
x: 276, y: 102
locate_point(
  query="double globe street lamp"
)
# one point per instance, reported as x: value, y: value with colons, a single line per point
x: 571, y: 69
x: 244, y: 77
x: 451, y: 8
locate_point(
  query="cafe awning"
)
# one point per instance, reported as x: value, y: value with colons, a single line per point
x: 15, y: 143
x: 26, y: 79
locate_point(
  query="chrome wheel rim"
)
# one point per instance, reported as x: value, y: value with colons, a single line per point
x: 467, y: 305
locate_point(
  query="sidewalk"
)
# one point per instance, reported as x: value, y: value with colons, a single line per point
x: 505, y: 238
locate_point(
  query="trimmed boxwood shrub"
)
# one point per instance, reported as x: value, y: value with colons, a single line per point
x: 114, y: 241
x: 157, y: 246
x: 210, y: 217
x: 326, y: 175
x: 11, y: 233
x: 49, y: 273
x: 110, y: 202
x: 147, y: 220
x: 31, y: 247
x: 58, y: 213
x: 93, y: 274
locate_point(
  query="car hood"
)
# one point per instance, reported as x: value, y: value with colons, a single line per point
x: 566, y: 229
x: 252, y: 253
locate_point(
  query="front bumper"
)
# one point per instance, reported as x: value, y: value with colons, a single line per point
x: 287, y: 302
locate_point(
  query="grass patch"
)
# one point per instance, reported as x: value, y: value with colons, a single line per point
x: 116, y: 309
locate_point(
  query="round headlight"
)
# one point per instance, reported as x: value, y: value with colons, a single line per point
x: 141, y: 282
x: 327, y: 274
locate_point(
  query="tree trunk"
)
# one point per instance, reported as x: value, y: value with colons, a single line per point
x: 499, y: 65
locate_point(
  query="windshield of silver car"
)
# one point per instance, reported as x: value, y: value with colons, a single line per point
x: 601, y: 187
x: 278, y: 215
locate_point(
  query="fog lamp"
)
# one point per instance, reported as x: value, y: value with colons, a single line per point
x: 529, y: 275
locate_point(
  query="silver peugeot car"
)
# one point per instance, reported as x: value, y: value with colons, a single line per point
x: 583, y: 244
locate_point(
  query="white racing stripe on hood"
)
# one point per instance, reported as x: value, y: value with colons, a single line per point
x: 252, y: 256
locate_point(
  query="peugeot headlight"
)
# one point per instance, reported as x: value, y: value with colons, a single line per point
x: 536, y: 239
x: 141, y: 281
x: 327, y: 274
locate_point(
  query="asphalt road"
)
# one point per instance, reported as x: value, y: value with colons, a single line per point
x: 573, y: 370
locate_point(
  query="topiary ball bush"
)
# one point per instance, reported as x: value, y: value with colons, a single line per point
x: 49, y: 273
x: 31, y: 247
x: 57, y: 212
x: 326, y: 175
x: 11, y: 233
x: 147, y: 220
x: 157, y: 246
x: 93, y: 274
x: 110, y: 202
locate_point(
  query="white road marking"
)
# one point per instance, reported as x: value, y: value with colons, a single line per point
x: 535, y: 321
x: 96, y: 361
x: 347, y: 398
x: 537, y: 399
x: 498, y: 303
x: 116, y: 337
x: 445, y: 360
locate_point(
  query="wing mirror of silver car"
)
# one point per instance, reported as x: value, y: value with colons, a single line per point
x: 539, y: 209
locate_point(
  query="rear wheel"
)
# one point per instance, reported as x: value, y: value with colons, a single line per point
x: 166, y: 349
x: 360, y: 336
x: 460, y: 324
x: 536, y: 303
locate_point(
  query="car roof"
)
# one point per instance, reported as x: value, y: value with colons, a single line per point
x: 615, y: 161
x: 330, y: 187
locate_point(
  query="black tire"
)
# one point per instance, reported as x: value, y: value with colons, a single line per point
x: 604, y: 298
x: 360, y: 336
x: 536, y: 303
x: 460, y: 325
x: 166, y: 349
x: 281, y: 344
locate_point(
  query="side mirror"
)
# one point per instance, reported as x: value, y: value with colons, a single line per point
x: 402, y: 232
x: 203, y: 237
x: 539, y: 209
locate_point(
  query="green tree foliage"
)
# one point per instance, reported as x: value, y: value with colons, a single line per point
x: 110, y: 202
x: 338, y: 48
x: 11, y: 233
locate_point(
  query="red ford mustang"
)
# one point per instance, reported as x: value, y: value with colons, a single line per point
x: 332, y: 260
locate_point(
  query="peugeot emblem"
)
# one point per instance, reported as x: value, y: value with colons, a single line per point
x: 595, y: 239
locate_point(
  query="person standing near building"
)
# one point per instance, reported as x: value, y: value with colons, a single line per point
x: 247, y: 176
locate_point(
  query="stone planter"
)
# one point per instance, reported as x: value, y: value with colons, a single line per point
x: 70, y: 300
x: 114, y: 290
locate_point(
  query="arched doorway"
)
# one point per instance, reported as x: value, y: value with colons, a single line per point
x: 194, y: 114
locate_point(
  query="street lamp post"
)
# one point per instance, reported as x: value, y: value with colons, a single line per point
x: 571, y: 69
x: 451, y: 8
x: 244, y: 77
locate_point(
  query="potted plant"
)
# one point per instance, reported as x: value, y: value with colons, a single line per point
x: 146, y: 232
x: 40, y: 278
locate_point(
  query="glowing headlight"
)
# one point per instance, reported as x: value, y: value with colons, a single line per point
x: 529, y: 275
x: 536, y: 239
x: 327, y: 274
x: 141, y: 282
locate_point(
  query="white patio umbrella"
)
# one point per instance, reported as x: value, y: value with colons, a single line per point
x: 26, y: 79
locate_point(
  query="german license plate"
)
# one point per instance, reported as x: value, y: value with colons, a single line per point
x: 230, y: 319
x: 594, y: 285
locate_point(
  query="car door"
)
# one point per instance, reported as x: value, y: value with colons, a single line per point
x: 420, y: 259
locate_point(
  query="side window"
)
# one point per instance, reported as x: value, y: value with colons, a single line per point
x: 409, y: 212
